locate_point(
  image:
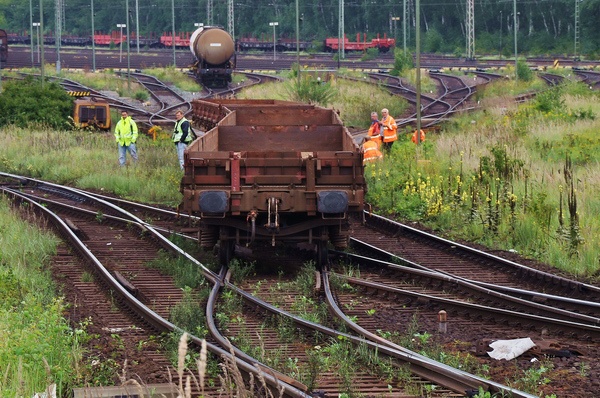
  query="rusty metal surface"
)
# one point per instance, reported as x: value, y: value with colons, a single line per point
x: 272, y: 160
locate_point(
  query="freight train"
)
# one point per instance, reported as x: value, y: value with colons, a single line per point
x: 214, y: 51
x: 270, y: 173
x: 384, y: 44
x: 266, y: 43
x: 182, y: 40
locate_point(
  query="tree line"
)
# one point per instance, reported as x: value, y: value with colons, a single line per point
x: 543, y: 26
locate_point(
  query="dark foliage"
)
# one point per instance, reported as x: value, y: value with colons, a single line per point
x: 546, y: 29
x: 27, y: 102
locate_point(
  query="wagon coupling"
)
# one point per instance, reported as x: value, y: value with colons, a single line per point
x: 251, y: 217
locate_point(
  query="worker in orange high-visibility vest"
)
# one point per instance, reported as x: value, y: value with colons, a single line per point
x: 390, y: 130
x: 376, y: 130
x: 414, y: 137
x: 370, y: 150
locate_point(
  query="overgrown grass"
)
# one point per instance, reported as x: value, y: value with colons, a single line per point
x: 38, y: 347
x: 355, y: 100
x: 427, y: 84
x: 513, y: 177
x: 194, y: 367
x: 506, y: 89
x: 175, y: 77
x: 89, y: 161
x: 105, y: 80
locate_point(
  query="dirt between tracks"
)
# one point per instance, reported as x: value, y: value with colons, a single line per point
x: 114, y: 356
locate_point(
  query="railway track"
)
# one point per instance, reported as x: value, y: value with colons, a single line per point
x: 397, y: 311
x: 437, y: 287
x: 82, y: 58
x: 452, y: 97
x: 117, y: 247
x: 251, y: 80
x: 105, y: 235
x: 318, y: 342
x: 462, y: 335
x: 428, y: 270
x: 440, y: 255
x: 441, y: 380
x: 143, y: 116
x: 72, y: 85
x: 489, y: 321
x: 537, y: 297
x: 166, y: 101
x: 589, y: 77
x: 552, y: 79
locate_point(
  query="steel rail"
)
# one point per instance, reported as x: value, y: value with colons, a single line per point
x: 210, y: 275
x: 433, y: 117
x: 547, y: 277
x: 536, y: 297
x: 432, y: 370
x: 151, y: 83
x: 547, y: 315
x: 533, y: 295
x: 447, y: 376
x: 223, y: 341
x: 469, y: 92
x: 132, y: 302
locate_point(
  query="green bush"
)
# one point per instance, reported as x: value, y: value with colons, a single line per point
x: 433, y: 41
x: 370, y: 54
x: 141, y: 95
x: 549, y: 100
x: 523, y: 71
x: 402, y: 62
x: 25, y: 103
x: 310, y: 90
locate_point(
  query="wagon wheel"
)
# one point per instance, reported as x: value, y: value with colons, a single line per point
x: 225, y: 252
x: 322, y: 254
x: 226, y: 247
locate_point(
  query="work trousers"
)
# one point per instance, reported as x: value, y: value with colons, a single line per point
x: 123, y: 149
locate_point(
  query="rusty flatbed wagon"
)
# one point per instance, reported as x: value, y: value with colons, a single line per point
x: 272, y: 172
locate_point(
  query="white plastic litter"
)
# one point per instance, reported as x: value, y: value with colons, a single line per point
x: 510, y: 349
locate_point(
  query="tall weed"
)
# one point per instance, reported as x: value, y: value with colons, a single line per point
x: 89, y: 161
x: 353, y: 99
x: 38, y: 347
x: 498, y: 180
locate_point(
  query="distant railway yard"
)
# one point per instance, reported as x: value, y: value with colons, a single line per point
x: 400, y: 313
x: 82, y: 58
x: 454, y: 93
